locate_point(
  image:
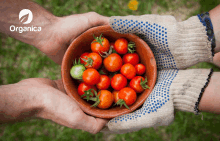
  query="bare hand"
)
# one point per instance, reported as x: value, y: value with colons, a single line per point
x: 44, y: 98
x: 64, y: 30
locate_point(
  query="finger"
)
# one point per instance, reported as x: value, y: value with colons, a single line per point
x: 91, y: 124
x: 94, y: 19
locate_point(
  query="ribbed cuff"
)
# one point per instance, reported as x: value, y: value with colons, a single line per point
x: 187, y: 88
x: 206, y: 21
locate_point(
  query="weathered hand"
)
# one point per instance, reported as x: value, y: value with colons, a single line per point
x: 64, y: 30
x: 44, y: 98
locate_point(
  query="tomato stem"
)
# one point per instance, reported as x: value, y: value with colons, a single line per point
x: 77, y: 63
x: 122, y: 102
x: 143, y: 84
x: 106, y: 54
x: 98, y: 39
x: 131, y: 46
x: 88, y: 94
x: 88, y: 61
x: 96, y: 99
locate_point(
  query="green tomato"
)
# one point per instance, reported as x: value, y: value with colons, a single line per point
x: 77, y: 71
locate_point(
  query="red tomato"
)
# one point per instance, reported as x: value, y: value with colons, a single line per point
x: 94, y: 60
x: 128, y: 95
x: 140, y: 69
x: 83, y: 56
x: 118, y: 82
x: 91, y: 76
x: 128, y: 70
x: 115, y: 95
x: 113, y: 62
x: 131, y: 58
x: 84, y: 87
x: 100, y: 45
x: 106, y: 99
x: 138, y: 83
x: 104, y: 82
x: 121, y: 46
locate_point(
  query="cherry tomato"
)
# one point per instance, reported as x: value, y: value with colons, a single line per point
x: 121, y: 46
x: 131, y: 58
x: 113, y: 62
x: 100, y: 45
x: 106, y: 99
x: 128, y: 95
x: 91, y: 76
x: 93, y: 60
x: 77, y: 70
x: 140, y: 69
x: 138, y: 84
x: 83, y: 56
x: 84, y: 87
x: 104, y: 82
x: 115, y: 95
x: 128, y: 70
x: 118, y: 82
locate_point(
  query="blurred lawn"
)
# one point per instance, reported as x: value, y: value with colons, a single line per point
x: 20, y: 61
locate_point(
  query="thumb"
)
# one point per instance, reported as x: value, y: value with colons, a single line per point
x: 94, y: 19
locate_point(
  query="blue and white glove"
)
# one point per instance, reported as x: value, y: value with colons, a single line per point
x: 176, y: 45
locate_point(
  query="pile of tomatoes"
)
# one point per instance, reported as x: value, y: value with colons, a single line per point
x: 111, y: 68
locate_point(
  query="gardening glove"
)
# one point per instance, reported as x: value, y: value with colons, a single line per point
x: 187, y: 42
x: 176, y: 45
x: 175, y: 89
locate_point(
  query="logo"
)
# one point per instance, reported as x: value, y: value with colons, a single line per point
x: 25, y: 17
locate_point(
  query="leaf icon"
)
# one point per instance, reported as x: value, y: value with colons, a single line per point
x: 24, y: 18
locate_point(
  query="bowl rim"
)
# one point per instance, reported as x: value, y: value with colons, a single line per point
x: 90, y: 111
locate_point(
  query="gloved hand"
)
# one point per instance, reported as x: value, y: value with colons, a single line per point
x: 176, y: 45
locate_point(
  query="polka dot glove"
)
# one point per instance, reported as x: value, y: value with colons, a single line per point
x: 186, y: 41
x: 175, y: 46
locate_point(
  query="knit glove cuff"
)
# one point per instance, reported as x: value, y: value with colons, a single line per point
x: 187, y: 88
x: 186, y: 41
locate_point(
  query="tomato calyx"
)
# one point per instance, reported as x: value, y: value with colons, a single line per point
x: 143, y: 84
x: 122, y: 102
x: 88, y: 94
x: 131, y: 46
x: 77, y: 63
x: 88, y: 61
x: 98, y: 39
x: 88, y: 97
x: 95, y: 99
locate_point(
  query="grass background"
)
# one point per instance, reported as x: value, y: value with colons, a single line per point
x: 20, y: 61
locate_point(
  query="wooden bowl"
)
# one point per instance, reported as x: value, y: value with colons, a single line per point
x: 83, y: 44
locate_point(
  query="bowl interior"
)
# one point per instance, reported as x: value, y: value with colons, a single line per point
x: 81, y: 45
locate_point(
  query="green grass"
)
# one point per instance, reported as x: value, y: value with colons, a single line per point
x: 20, y: 61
